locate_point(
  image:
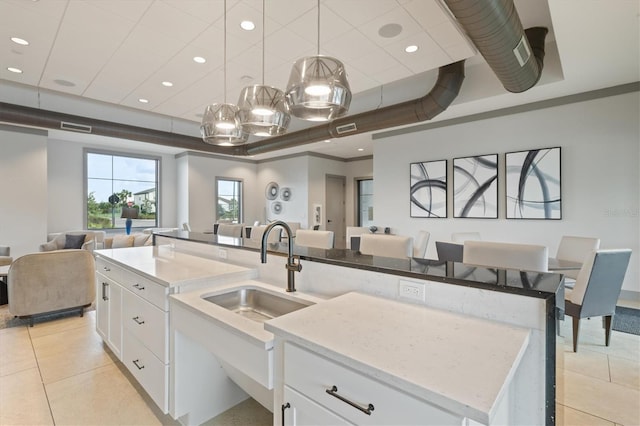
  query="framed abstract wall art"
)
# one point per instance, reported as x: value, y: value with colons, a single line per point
x: 428, y: 189
x: 475, y: 187
x: 533, y: 184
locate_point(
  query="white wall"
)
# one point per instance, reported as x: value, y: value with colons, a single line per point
x: 66, y: 196
x: 23, y: 189
x: 289, y: 172
x: 200, y: 178
x: 599, y: 140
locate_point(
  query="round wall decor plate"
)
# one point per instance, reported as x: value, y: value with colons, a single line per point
x: 271, y: 191
x: 276, y: 207
x: 285, y: 194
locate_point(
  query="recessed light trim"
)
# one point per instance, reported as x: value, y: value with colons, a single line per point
x: 199, y: 59
x: 14, y: 70
x: 20, y: 41
x: 247, y: 25
x: 143, y: 100
x: 361, y: 149
x: 411, y: 48
x: 167, y: 84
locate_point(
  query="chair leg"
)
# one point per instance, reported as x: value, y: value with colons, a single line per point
x: 576, y: 330
x: 607, y: 328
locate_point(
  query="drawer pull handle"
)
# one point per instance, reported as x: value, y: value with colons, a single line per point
x: 138, y: 286
x: 284, y: 407
x: 334, y: 392
x: 107, y: 269
x: 137, y: 320
x: 136, y: 363
x: 104, y: 291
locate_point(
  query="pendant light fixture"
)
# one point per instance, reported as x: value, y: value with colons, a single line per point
x: 220, y: 122
x: 262, y: 109
x: 318, y: 89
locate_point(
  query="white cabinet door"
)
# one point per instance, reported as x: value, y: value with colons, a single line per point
x: 109, y: 313
x: 302, y: 411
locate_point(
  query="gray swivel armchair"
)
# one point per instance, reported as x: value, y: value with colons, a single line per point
x: 597, y: 289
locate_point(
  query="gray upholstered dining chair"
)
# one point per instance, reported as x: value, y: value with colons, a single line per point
x: 597, y: 289
x: 575, y: 249
x: 311, y: 238
x: 420, y: 244
x: 386, y: 245
x: 5, y: 256
x: 451, y: 252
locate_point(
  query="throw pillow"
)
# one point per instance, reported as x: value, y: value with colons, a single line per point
x: 120, y: 241
x: 73, y: 241
x: 140, y: 239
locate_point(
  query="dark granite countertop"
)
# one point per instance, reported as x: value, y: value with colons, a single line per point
x: 532, y: 284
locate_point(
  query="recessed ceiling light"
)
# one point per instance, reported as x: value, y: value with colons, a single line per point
x: 410, y: 49
x: 167, y: 83
x: 247, y: 25
x: 65, y: 83
x: 20, y: 41
x: 360, y: 149
x: 327, y: 141
x: 199, y: 59
x: 143, y: 101
x: 16, y: 70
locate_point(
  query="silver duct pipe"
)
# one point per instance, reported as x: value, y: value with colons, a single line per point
x: 493, y: 26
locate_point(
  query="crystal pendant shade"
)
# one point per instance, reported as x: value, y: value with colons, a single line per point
x: 263, y: 111
x: 318, y: 89
x: 221, y: 126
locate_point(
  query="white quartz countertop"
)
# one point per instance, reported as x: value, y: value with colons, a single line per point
x: 460, y: 363
x: 250, y: 330
x: 172, y: 268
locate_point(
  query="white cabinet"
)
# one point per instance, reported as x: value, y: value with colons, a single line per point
x: 132, y: 318
x: 329, y: 389
x: 109, y: 313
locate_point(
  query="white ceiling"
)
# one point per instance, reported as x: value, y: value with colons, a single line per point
x: 118, y: 51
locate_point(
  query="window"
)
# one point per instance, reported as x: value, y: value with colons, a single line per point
x: 121, y: 186
x: 229, y: 196
x: 365, y: 202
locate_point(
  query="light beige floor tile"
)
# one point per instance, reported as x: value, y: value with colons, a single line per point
x: 23, y: 400
x: 599, y: 398
x: 622, y: 345
x: 567, y: 416
x: 46, y: 328
x: 16, y: 352
x: 247, y: 413
x: 625, y: 372
x: 102, y: 396
x: 68, y: 353
x: 589, y: 363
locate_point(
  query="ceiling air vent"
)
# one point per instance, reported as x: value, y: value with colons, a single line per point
x: 346, y: 128
x: 522, y: 51
x: 75, y: 127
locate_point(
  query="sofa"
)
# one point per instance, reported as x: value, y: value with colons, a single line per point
x: 51, y: 281
x: 123, y: 240
x: 73, y: 240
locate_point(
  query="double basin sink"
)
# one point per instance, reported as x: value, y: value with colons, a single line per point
x: 256, y: 304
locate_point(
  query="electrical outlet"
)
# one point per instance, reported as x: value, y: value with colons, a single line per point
x: 222, y: 253
x: 411, y: 290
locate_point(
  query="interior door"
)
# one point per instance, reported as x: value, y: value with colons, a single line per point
x: 335, y: 196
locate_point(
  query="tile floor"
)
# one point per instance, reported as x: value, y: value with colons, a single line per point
x: 58, y: 373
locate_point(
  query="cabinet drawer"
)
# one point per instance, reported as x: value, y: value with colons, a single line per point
x: 108, y: 269
x: 147, y: 323
x: 312, y: 375
x: 148, y: 370
x: 146, y: 288
x: 302, y: 411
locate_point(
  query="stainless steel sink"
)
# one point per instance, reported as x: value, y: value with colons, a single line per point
x: 256, y: 304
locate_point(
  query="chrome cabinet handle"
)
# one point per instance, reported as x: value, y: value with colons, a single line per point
x: 107, y: 269
x: 284, y: 407
x: 137, y: 320
x: 104, y: 291
x: 138, y: 286
x: 334, y: 392
x: 136, y: 363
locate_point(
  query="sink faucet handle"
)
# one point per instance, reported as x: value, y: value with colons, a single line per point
x: 293, y: 266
